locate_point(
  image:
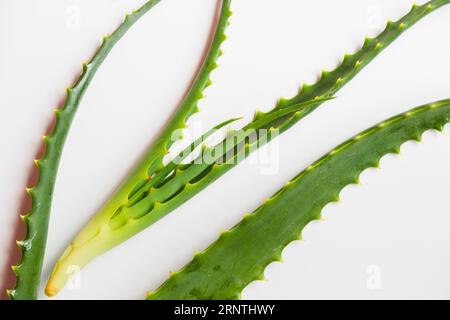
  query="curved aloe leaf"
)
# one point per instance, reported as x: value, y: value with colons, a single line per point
x: 29, y: 270
x: 332, y: 81
x: 152, y: 161
x: 128, y: 213
x: 241, y: 255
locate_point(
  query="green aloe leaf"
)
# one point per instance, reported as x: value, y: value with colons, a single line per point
x: 152, y: 162
x: 149, y: 195
x: 28, y: 271
x: 241, y: 255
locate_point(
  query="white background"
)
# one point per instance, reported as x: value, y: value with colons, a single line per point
x: 388, y: 238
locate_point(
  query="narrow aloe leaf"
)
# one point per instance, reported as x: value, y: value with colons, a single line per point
x: 28, y: 271
x: 241, y: 255
x: 152, y: 161
x: 172, y: 165
x: 127, y: 214
x: 220, y: 150
x: 332, y: 81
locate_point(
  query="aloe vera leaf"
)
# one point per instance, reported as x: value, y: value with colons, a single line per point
x: 241, y: 255
x: 332, y: 81
x: 222, y: 148
x: 152, y: 161
x: 28, y: 271
x: 135, y: 217
x: 118, y: 222
x: 172, y: 165
x: 159, y: 191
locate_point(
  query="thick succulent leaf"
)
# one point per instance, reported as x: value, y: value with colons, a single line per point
x: 332, y: 81
x: 129, y: 213
x: 220, y: 150
x: 152, y: 162
x: 28, y: 271
x: 241, y: 255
